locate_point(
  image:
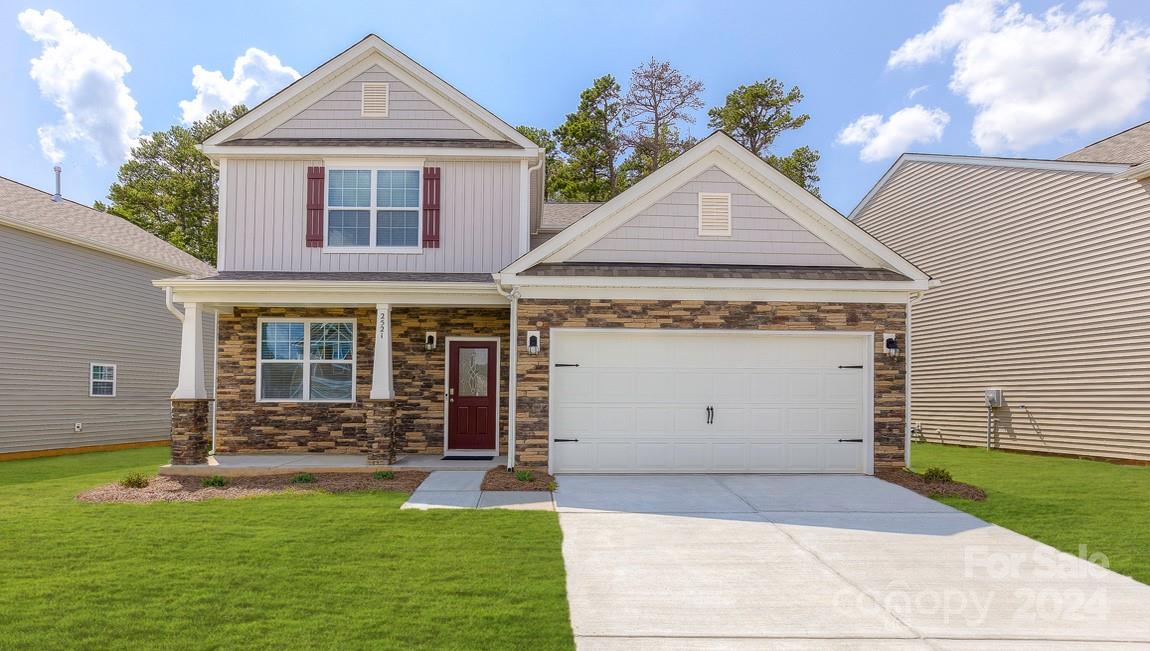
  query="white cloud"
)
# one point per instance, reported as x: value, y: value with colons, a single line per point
x: 256, y: 75
x: 1032, y: 78
x: 84, y: 77
x: 886, y: 138
x: 915, y: 91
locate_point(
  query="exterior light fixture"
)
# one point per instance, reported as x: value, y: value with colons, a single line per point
x: 533, y: 342
x: 890, y: 343
x: 429, y: 340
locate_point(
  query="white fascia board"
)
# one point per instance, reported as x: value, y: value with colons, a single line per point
x: 88, y: 244
x: 512, y: 280
x: 370, y: 51
x: 314, y: 152
x: 730, y: 294
x: 291, y: 292
x: 720, y: 150
x: 990, y: 161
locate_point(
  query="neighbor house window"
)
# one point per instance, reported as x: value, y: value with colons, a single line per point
x: 102, y: 380
x: 373, y: 209
x: 308, y: 360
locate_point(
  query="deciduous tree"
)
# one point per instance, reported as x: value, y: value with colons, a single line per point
x: 659, y: 99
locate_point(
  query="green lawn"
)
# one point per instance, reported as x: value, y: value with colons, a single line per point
x: 1061, y: 502
x: 313, y: 571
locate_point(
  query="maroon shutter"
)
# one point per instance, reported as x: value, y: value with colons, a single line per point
x: 431, y: 207
x: 315, y: 203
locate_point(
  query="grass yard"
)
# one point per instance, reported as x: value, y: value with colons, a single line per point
x: 341, y: 571
x: 1061, y: 502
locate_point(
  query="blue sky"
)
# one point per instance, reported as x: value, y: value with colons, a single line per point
x: 991, y: 78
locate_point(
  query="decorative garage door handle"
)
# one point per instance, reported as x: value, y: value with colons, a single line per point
x: 850, y: 440
x: 710, y: 415
x: 566, y: 440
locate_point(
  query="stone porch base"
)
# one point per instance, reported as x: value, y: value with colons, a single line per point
x: 238, y: 465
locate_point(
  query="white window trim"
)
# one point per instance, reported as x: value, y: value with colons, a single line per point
x: 306, y: 361
x: 730, y: 215
x: 372, y: 209
x: 91, y: 381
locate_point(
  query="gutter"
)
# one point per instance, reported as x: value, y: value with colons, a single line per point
x: 172, y: 306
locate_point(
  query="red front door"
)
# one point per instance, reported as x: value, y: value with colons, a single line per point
x: 471, y: 395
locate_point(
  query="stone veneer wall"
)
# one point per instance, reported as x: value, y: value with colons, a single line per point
x: 416, y: 415
x: 531, y: 427
x: 191, y: 431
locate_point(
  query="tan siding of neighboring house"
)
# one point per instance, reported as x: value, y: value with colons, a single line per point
x: 1045, y: 293
x: 668, y: 232
x: 264, y: 221
x: 62, y: 307
x: 339, y: 115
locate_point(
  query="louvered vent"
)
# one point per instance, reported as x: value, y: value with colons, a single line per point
x: 375, y: 99
x: 714, y: 213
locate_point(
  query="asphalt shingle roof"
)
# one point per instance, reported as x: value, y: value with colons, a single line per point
x: 1130, y: 146
x: 68, y: 220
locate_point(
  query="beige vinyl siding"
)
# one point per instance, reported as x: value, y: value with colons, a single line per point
x: 668, y: 232
x: 338, y: 115
x: 1045, y: 293
x: 62, y: 307
x: 264, y: 223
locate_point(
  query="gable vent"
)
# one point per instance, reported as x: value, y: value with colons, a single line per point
x: 375, y: 99
x: 714, y: 213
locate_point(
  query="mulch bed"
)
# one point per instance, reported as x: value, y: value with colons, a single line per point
x: 190, y: 489
x: 498, y: 479
x: 916, y: 483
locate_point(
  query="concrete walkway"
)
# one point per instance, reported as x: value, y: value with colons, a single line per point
x: 455, y: 489
x: 818, y: 562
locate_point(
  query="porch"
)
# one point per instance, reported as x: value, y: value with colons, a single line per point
x: 227, y: 465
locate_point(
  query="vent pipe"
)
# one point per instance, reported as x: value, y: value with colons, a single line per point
x: 56, y: 197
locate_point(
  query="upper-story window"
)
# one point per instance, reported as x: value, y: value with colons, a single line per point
x: 373, y: 209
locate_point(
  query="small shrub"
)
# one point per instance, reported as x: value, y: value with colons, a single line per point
x: 524, y: 475
x: 134, y: 480
x: 552, y: 486
x: 383, y: 474
x: 303, y: 478
x: 936, y: 475
x: 215, y: 481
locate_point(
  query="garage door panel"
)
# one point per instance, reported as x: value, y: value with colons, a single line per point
x: 638, y: 402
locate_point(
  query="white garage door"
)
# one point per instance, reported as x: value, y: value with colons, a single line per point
x: 709, y: 401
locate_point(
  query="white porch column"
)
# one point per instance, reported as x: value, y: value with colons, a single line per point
x: 191, y: 386
x: 381, y: 369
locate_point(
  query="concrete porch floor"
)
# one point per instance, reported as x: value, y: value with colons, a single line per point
x: 276, y: 464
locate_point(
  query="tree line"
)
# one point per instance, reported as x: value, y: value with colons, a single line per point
x: 614, y: 138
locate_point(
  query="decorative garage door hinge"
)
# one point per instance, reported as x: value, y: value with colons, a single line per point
x: 850, y: 365
x: 562, y: 365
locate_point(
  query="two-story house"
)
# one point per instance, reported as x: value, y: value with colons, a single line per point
x: 377, y: 293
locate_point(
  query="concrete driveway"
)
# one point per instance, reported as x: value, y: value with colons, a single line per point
x: 742, y: 562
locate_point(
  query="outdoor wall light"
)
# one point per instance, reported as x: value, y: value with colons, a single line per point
x: 890, y: 343
x: 533, y: 342
x: 429, y: 340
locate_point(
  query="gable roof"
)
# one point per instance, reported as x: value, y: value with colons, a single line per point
x: 1129, y: 146
x: 986, y: 161
x: 720, y: 150
x: 368, y: 52
x: 34, y: 211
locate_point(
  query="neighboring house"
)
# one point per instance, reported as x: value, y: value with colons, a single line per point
x: 1043, y: 265
x: 90, y: 352
x: 378, y: 293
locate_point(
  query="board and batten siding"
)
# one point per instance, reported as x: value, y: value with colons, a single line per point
x: 1045, y: 294
x: 668, y: 232
x: 63, y: 307
x: 338, y: 115
x: 264, y: 226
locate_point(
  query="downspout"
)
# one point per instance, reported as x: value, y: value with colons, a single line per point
x: 911, y: 301
x: 172, y: 306
x: 513, y: 372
